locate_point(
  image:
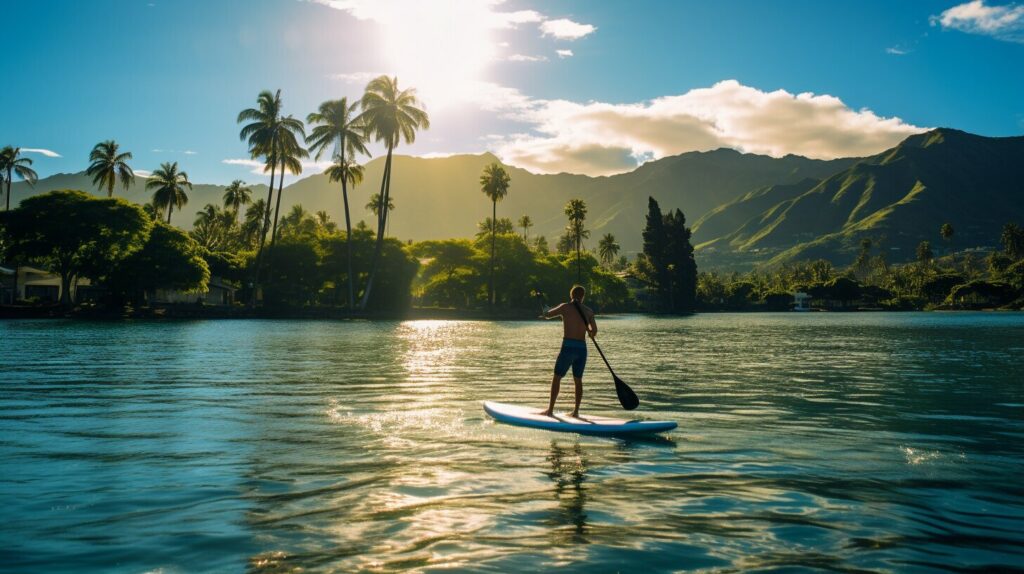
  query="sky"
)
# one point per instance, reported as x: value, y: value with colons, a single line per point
x: 583, y: 86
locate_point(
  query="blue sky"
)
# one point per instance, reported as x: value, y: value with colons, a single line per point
x: 584, y: 86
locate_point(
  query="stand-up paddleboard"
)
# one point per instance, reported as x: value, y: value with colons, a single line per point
x: 585, y: 424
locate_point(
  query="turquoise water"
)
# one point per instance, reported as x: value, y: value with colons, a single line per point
x: 850, y: 442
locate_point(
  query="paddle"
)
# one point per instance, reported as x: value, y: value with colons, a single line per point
x: 627, y: 398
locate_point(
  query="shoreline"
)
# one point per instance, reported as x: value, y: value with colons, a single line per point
x: 191, y: 312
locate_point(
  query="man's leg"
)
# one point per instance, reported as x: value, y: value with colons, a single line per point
x: 579, y: 395
x: 555, y: 385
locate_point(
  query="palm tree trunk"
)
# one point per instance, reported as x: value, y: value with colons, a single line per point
x: 385, y: 185
x: 8, y: 208
x: 170, y: 207
x: 277, y: 209
x: 494, y: 230
x: 348, y: 234
x: 263, y: 235
x: 579, y: 274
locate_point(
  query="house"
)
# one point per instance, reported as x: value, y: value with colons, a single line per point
x: 801, y: 301
x: 217, y: 292
x: 33, y: 284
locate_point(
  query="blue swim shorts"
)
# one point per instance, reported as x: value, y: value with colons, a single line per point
x: 574, y: 353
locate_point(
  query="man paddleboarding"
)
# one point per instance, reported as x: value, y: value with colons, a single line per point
x: 574, y: 344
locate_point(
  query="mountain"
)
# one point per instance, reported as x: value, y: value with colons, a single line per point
x: 440, y: 197
x: 200, y: 195
x: 896, y: 198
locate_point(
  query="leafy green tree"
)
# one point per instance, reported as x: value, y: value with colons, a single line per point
x: 576, y: 211
x: 324, y: 222
x: 450, y: 277
x: 348, y: 172
x: 925, y: 253
x: 607, y: 249
x: 168, y: 185
x: 390, y: 115
x: 216, y: 229
x: 169, y: 259
x: 374, y: 205
x: 667, y: 263
x: 494, y: 183
x: 110, y: 165
x: 540, y: 245
x: 526, y: 223
x: 236, y: 195
x: 11, y: 164
x: 253, y: 223
x: 335, y: 127
x: 74, y: 234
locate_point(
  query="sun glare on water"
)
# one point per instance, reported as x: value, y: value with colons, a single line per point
x: 440, y: 48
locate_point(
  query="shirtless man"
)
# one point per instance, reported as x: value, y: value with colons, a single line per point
x: 574, y: 344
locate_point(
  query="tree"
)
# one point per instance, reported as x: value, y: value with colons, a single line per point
x: 486, y: 227
x: 169, y: 259
x: 236, y: 195
x: 946, y: 231
x: 390, y: 115
x: 576, y: 211
x: 348, y: 172
x: 110, y: 165
x: 289, y: 155
x: 11, y: 164
x: 74, y: 234
x: 1012, y: 238
x: 607, y: 249
x: 667, y: 263
x: 253, y: 223
x: 373, y: 205
x: 264, y: 132
x: 169, y: 186
x: 526, y: 223
x: 324, y: 222
x: 494, y: 183
x: 335, y: 125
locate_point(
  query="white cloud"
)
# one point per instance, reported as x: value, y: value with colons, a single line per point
x: 565, y: 29
x: 1002, y: 22
x: 564, y: 53
x: 258, y: 167
x: 143, y: 173
x: 181, y: 151
x: 525, y: 58
x: 600, y: 138
x: 897, y: 51
x: 384, y: 10
x: 41, y: 151
x: 356, y: 77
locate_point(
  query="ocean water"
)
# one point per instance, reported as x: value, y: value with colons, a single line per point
x: 806, y: 442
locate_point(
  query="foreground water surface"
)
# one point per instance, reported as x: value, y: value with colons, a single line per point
x: 849, y: 442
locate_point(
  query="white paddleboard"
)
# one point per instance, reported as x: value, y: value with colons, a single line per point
x: 584, y: 424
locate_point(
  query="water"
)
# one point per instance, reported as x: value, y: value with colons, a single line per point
x: 849, y: 442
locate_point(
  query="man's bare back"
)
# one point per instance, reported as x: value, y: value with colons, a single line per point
x: 572, y: 323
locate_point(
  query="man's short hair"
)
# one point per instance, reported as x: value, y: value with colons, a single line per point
x: 577, y: 292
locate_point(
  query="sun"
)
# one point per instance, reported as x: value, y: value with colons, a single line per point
x: 440, y: 48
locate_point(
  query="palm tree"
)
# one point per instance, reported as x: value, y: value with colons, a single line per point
x: 11, y: 164
x: 289, y: 154
x: 169, y: 185
x: 576, y: 211
x: 335, y: 126
x: 109, y: 165
x: 263, y: 133
x: 526, y: 223
x: 390, y: 115
x: 494, y: 184
x: 253, y: 223
x: 607, y: 249
x: 236, y: 195
x: 373, y: 206
x: 323, y: 221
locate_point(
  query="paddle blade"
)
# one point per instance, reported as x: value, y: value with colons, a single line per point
x: 627, y: 398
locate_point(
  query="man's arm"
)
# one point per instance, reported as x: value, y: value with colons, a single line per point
x: 555, y: 311
x: 592, y: 327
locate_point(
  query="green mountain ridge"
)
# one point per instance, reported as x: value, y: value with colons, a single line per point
x: 896, y: 198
